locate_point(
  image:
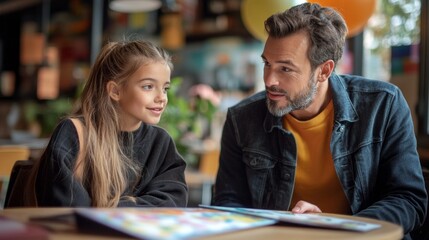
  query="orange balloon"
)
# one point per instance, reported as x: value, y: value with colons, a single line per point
x: 355, y: 12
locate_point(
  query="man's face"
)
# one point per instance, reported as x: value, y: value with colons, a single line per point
x: 289, y: 80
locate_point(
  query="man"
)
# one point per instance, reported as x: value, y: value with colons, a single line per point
x: 315, y: 141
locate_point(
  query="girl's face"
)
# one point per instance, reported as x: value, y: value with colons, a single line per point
x: 144, y: 96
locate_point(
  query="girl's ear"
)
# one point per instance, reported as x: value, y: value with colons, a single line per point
x: 113, y: 90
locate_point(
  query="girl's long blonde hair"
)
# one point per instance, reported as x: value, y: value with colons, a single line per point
x: 105, y: 169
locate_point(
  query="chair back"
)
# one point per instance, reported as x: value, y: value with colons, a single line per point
x: 209, y: 163
x: 17, y: 183
x: 9, y: 155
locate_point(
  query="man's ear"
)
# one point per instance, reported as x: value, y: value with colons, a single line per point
x: 113, y: 90
x: 326, y: 69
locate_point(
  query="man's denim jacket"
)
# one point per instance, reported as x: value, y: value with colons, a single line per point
x: 373, y: 147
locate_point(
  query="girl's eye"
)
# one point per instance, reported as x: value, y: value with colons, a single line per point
x: 147, y: 87
x: 166, y: 89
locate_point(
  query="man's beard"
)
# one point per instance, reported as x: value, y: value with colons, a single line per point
x: 302, y: 101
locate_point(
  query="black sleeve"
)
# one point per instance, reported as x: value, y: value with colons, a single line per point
x: 231, y: 186
x: 55, y: 184
x: 163, y: 183
x: 402, y: 198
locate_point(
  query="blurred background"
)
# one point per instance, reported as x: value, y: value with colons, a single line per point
x: 48, y: 46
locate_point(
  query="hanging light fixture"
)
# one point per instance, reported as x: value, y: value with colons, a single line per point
x: 130, y: 6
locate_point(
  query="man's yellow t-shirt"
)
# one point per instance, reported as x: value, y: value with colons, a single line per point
x: 316, y: 181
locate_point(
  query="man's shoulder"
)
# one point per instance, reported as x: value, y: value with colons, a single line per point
x: 363, y: 84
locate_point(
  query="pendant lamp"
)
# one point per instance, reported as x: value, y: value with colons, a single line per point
x: 130, y: 6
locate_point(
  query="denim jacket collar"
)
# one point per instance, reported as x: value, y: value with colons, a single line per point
x: 343, y: 107
x: 272, y: 122
x: 344, y: 110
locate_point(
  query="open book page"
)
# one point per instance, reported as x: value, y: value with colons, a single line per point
x: 314, y: 220
x: 168, y: 223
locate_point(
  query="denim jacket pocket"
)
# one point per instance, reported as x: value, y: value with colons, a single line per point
x: 257, y: 161
x: 259, y: 173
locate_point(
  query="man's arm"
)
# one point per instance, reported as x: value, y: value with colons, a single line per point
x: 401, y: 196
x: 231, y: 188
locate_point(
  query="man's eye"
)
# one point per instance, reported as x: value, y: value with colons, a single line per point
x: 285, y: 69
x: 265, y: 63
x: 166, y: 89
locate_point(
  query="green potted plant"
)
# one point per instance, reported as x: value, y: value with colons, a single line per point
x: 182, y: 119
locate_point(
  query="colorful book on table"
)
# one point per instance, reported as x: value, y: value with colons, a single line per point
x: 311, y: 220
x: 165, y: 223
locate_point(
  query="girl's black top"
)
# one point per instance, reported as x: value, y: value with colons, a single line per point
x: 161, y: 183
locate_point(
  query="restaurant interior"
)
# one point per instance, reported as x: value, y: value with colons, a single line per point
x: 47, y: 48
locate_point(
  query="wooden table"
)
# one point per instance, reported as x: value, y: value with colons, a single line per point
x: 388, y: 231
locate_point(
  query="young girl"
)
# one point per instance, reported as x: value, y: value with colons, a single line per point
x: 109, y: 153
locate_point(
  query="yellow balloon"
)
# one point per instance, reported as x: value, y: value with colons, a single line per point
x: 255, y: 12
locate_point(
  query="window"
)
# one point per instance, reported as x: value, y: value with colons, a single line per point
x: 392, y: 42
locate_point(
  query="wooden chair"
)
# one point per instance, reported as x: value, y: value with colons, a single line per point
x: 18, y: 181
x: 208, y: 165
x: 200, y: 181
x: 8, y: 156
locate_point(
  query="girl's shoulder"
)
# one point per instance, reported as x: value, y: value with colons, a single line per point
x: 64, y: 140
x: 64, y: 134
x: 65, y: 126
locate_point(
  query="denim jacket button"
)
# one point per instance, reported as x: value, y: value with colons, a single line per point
x: 341, y: 128
x: 286, y: 176
x: 253, y: 162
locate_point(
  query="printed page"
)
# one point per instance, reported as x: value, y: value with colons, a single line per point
x: 314, y: 220
x: 169, y: 223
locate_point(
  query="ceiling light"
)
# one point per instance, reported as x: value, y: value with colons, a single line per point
x: 129, y: 6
